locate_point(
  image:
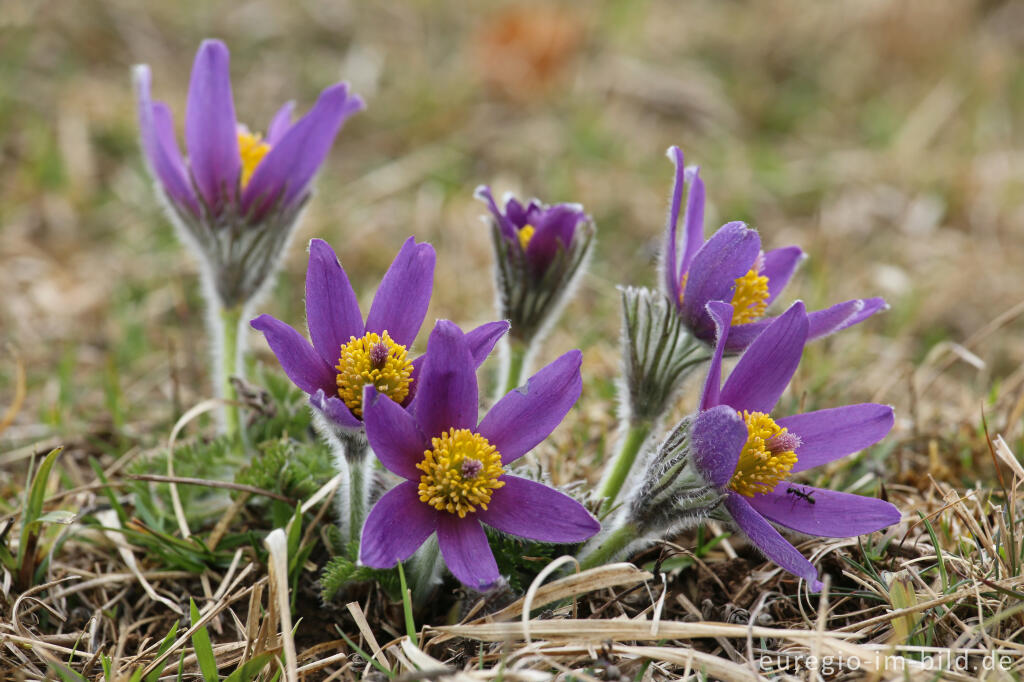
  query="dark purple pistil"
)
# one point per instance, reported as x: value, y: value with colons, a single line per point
x: 471, y: 468
x: 378, y: 354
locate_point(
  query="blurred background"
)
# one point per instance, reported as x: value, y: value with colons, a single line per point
x: 884, y: 137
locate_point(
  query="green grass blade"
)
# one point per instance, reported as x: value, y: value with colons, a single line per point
x: 410, y: 625
x: 172, y: 634
x: 203, y: 647
x: 251, y: 668
x: 367, y: 657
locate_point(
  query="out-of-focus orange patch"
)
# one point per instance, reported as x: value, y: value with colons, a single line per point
x: 524, y: 51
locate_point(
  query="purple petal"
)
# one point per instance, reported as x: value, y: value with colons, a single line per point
x: 763, y: 536
x: 298, y: 359
x: 670, y: 264
x: 211, y: 130
x: 395, y: 528
x: 483, y: 193
x: 516, y: 212
x: 533, y: 510
x: 716, y: 440
x: 526, y: 415
x: 393, y: 434
x: 765, y: 369
x: 332, y: 311
x: 482, y: 339
x: 555, y: 230
x: 712, y: 275
x: 447, y: 397
x: 843, y: 315
x: 466, y: 552
x: 827, y: 435
x: 404, y: 294
x: 721, y: 314
x: 742, y: 335
x: 832, y: 514
x: 280, y: 124
x: 779, y: 266
x: 290, y: 165
x: 156, y: 128
x: 334, y: 409
x: 694, y: 221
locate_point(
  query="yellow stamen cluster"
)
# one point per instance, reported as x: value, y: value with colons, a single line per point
x: 750, y: 299
x: 372, y: 360
x: 252, y: 149
x: 460, y: 472
x: 525, y: 235
x: 761, y: 466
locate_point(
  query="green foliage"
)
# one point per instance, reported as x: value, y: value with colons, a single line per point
x: 342, y: 570
x: 203, y: 646
x: 521, y: 560
x: 286, y: 466
x: 27, y: 562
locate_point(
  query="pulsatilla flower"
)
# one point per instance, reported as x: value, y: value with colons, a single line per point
x: 748, y: 456
x: 238, y: 194
x: 347, y: 353
x: 455, y: 468
x: 731, y: 267
x: 539, y: 251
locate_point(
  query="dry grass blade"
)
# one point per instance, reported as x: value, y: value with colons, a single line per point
x: 277, y: 545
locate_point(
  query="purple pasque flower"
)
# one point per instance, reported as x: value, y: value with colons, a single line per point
x: 454, y: 466
x: 731, y: 267
x: 749, y: 456
x: 347, y: 353
x: 540, y: 252
x: 234, y: 183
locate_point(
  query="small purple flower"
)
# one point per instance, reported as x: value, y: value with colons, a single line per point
x: 454, y: 466
x: 347, y: 353
x: 234, y: 180
x: 748, y: 456
x: 540, y: 252
x: 731, y: 267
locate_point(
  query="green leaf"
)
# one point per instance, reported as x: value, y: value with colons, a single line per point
x: 164, y: 646
x: 410, y: 624
x: 251, y: 668
x: 61, y: 516
x: 65, y: 674
x: 203, y: 647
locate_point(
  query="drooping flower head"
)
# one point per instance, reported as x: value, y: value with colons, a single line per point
x: 348, y: 353
x: 455, y: 466
x: 238, y: 193
x: 750, y: 456
x: 540, y: 251
x: 731, y: 267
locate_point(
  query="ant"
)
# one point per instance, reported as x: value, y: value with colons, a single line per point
x: 801, y: 494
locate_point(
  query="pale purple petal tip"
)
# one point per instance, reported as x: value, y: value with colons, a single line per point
x: 826, y: 513
x: 764, y: 370
x: 528, y: 414
x: 334, y: 409
x: 300, y: 362
x: 393, y: 434
x: 482, y: 339
x: 827, y: 435
x: 211, y: 129
x: 716, y: 439
x: 769, y: 541
x: 535, y: 511
x: 395, y: 528
x: 404, y: 294
x: 332, y: 311
x: 465, y: 551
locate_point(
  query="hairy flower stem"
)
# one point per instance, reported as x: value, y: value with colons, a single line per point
x: 603, y: 550
x: 424, y: 572
x: 515, y: 365
x: 357, y: 456
x: 229, y: 364
x: 621, y: 466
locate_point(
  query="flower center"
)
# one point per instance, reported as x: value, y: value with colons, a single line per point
x: 252, y: 149
x: 750, y: 299
x: 460, y: 473
x: 525, y: 235
x: 372, y: 360
x: 767, y: 456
